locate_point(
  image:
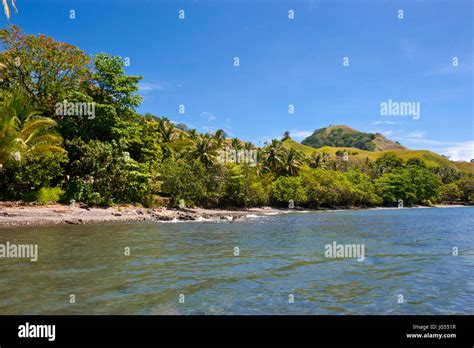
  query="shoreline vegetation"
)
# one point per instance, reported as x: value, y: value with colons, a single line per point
x: 13, y: 214
x: 70, y: 134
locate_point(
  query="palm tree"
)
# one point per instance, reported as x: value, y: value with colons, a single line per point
x: 319, y: 160
x: 273, y: 156
x: 6, y: 7
x: 292, y: 162
x: 193, y: 134
x: 219, y: 137
x: 248, y: 146
x: 236, y: 144
x: 166, y: 130
x: 261, y: 168
x: 23, y: 130
x: 204, y: 151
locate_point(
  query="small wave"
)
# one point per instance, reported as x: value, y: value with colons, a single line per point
x: 251, y: 216
x: 200, y: 218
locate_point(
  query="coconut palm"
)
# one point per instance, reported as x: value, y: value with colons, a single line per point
x: 273, y: 155
x: 248, y: 146
x: 261, y: 169
x: 236, y: 145
x: 193, y: 134
x: 23, y: 130
x: 204, y: 151
x: 6, y: 7
x: 319, y: 160
x: 219, y: 137
x: 166, y: 130
x: 292, y: 162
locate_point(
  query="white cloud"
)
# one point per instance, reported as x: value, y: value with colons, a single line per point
x: 462, y: 152
x: 162, y: 86
x: 385, y: 122
x: 210, y: 117
x: 416, y: 135
x: 209, y: 129
x: 300, y: 134
x: 147, y: 86
x: 456, y: 150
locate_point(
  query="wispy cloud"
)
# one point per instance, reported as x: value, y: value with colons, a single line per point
x: 416, y: 135
x: 162, y: 86
x: 300, y: 134
x: 385, y: 122
x: 455, y: 150
x: 207, y: 129
x: 147, y: 86
x: 463, y: 151
x: 208, y: 115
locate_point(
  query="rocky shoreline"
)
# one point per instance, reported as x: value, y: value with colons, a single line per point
x: 13, y: 214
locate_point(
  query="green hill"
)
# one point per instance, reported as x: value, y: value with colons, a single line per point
x: 344, y: 136
x: 431, y: 159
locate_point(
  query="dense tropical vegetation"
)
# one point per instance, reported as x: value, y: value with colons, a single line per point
x: 118, y: 156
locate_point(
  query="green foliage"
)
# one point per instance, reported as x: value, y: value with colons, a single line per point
x: 336, y: 137
x: 319, y: 160
x: 447, y: 174
x: 450, y: 192
x: 20, y: 179
x: 413, y: 185
x: 184, y: 180
x: 244, y: 188
x: 42, y: 69
x: 205, y: 151
x: 49, y: 195
x: 292, y: 162
x: 119, y: 156
x: 110, y: 85
x: 24, y: 131
x: 101, y: 173
x: 285, y: 189
x: 466, y: 185
x: 273, y: 155
x: 388, y: 162
x: 330, y: 188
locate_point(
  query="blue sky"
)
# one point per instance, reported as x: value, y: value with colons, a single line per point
x: 286, y: 61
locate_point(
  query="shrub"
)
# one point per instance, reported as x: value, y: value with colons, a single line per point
x: 287, y: 188
x: 244, y: 188
x: 184, y: 180
x: 49, y: 195
x: 413, y: 185
x: 101, y: 174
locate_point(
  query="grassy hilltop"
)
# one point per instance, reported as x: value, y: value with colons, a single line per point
x: 344, y: 136
x: 357, y: 144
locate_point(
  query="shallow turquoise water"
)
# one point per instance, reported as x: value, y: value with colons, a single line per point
x: 407, y: 252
